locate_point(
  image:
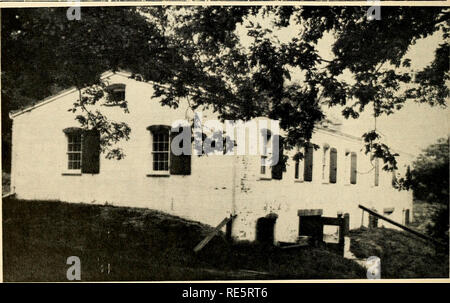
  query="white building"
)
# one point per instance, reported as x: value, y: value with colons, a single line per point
x: 47, y: 162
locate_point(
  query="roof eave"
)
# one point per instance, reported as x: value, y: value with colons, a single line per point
x: 14, y: 114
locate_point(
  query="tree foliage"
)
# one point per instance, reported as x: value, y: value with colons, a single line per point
x: 429, y: 180
x: 197, y: 53
x: 430, y: 173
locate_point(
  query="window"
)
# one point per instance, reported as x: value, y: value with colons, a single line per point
x: 74, y: 150
x: 325, y: 163
x: 353, y: 168
x: 265, y: 141
x: 377, y: 171
x: 299, y: 168
x: 278, y: 158
x: 308, y: 166
x: 160, y: 150
x: 388, y: 211
x: 83, y: 150
x: 406, y: 218
x: 164, y: 160
x: 116, y: 93
x: 263, y: 165
x: 333, y: 165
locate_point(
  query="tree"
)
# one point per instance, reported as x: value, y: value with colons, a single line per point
x: 429, y: 180
x: 238, y: 82
x: 196, y: 53
x: 430, y: 173
x: 43, y: 52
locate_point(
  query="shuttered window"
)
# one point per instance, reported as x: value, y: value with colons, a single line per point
x: 74, y: 151
x: 277, y: 169
x: 91, y: 152
x: 160, y: 151
x: 308, y: 169
x: 180, y: 164
x: 333, y: 165
x: 83, y: 150
x: 377, y: 171
x: 115, y: 94
x: 164, y: 160
x: 265, y: 140
x: 353, y: 168
x: 325, y: 163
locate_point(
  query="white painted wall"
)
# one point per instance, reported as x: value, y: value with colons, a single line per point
x: 209, y: 194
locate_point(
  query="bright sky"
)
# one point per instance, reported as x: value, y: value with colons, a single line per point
x: 415, y: 126
x: 409, y: 130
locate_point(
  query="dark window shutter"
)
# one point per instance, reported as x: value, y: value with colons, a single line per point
x: 90, y: 158
x: 297, y: 165
x: 181, y: 164
x: 377, y: 171
x: 353, y: 168
x: 308, y: 170
x: 277, y: 169
x: 333, y: 165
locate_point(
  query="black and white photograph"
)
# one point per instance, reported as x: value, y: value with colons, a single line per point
x: 219, y: 142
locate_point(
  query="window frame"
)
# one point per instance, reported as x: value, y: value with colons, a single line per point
x: 265, y: 171
x: 73, y: 171
x: 326, y: 164
x: 113, y: 90
x: 308, y: 150
x: 353, y: 170
x: 153, y: 133
x: 332, y: 164
x: 299, y: 169
x: 376, y: 181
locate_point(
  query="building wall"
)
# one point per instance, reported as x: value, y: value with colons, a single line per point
x: 218, y: 185
x: 259, y: 197
x: 39, y: 148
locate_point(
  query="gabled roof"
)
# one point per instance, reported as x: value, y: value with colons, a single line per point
x: 15, y: 113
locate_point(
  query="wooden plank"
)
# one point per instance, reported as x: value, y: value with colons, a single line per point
x: 416, y: 233
x: 332, y: 221
x: 212, y: 234
x: 309, y: 212
x: 295, y: 246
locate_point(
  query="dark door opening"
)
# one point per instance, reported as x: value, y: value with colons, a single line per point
x: 265, y: 228
x: 311, y: 226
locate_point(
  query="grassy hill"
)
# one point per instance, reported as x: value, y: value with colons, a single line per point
x: 402, y: 254
x: 120, y: 243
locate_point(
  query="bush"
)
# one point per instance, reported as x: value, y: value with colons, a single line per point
x: 439, y: 226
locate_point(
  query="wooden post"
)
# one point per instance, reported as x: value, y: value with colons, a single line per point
x: 347, y: 223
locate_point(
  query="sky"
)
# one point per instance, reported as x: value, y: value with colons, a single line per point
x: 415, y: 126
x: 407, y: 131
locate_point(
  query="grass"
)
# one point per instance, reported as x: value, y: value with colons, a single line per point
x: 402, y: 254
x: 142, y: 244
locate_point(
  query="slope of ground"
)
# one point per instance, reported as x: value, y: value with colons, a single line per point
x: 119, y: 243
x: 402, y: 254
